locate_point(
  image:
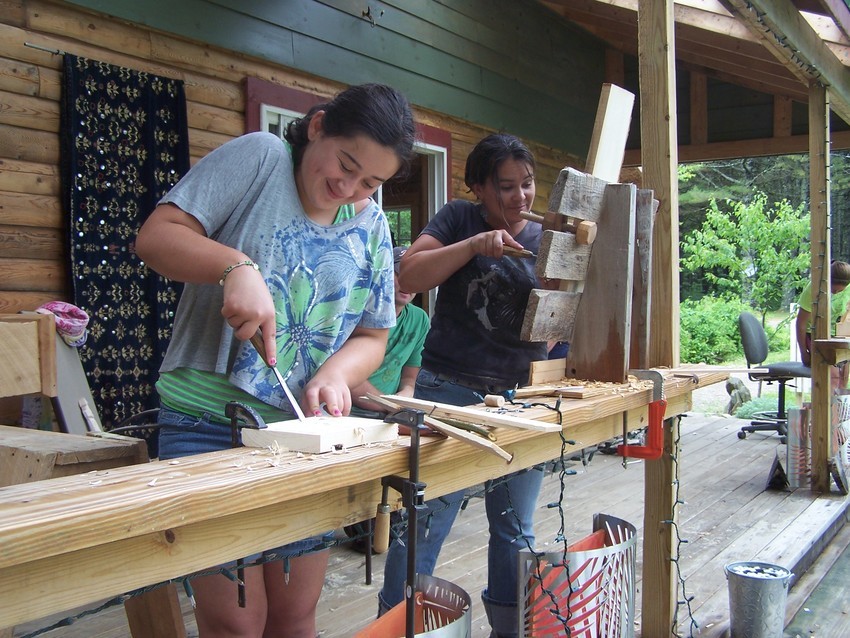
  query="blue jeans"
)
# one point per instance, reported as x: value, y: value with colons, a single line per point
x: 509, y: 502
x: 184, y: 435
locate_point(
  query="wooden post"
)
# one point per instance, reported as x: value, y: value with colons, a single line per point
x: 820, y: 247
x: 658, y: 603
x: 659, y: 156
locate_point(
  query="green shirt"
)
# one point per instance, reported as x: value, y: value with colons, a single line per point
x: 838, y: 305
x: 404, y: 348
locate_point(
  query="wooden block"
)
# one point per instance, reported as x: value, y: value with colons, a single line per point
x: 600, y: 342
x: 34, y: 455
x: 316, y: 435
x: 547, y: 370
x: 578, y: 195
x: 550, y: 315
x: 561, y: 257
x: 28, y: 354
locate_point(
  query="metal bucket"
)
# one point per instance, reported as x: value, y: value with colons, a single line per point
x: 442, y: 610
x: 757, y: 596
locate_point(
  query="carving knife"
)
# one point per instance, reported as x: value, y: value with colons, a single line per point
x: 257, y: 342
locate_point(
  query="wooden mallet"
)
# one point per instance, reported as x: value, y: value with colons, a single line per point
x: 585, y: 231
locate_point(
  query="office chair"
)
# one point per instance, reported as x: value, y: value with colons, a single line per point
x: 754, y: 341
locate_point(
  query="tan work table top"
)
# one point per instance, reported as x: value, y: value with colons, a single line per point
x: 82, y: 538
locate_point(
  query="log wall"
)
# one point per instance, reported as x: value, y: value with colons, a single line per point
x: 33, y: 228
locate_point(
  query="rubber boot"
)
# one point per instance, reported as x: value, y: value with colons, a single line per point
x: 503, y: 618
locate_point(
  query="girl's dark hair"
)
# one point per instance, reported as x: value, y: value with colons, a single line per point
x: 376, y: 110
x: 484, y: 160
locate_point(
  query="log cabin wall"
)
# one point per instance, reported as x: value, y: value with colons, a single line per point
x: 33, y: 227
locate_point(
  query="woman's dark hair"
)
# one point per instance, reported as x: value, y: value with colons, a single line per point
x: 376, y: 110
x: 483, y: 162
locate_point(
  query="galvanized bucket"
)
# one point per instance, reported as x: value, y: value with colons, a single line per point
x: 758, y: 593
x: 442, y: 610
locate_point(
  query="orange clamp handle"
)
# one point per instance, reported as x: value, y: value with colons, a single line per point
x: 654, y: 447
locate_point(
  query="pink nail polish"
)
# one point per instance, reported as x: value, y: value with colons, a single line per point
x: 337, y: 413
x: 317, y: 413
x: 272, y: 362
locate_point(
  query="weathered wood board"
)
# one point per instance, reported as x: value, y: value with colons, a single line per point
x: 35, y: 455
x: 317, y: 435
x: 600, y: 342
x: 550, y: 314
x: 645, y: 208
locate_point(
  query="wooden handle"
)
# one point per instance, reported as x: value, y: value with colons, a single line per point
x: 259, y: 344
x: 516, y: 252
x: 532, y: 217
x: 494, y: 400
x: 381, y: 540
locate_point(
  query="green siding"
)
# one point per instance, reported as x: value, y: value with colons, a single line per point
x: 505, y: 64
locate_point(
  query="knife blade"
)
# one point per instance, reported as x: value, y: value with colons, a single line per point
x: 257, y: 342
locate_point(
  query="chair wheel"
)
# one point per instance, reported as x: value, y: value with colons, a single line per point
x: 742, y: 435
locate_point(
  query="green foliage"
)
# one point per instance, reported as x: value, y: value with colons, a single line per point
x: 764, y: 403
x: 709, y: 330
x: 751, y: 251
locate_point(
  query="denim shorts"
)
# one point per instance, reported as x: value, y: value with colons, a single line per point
x: 185, y: 435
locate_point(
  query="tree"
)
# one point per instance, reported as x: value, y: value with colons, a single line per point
x: 750, y: 251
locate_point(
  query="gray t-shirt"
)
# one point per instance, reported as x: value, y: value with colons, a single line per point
x: 325, y: 280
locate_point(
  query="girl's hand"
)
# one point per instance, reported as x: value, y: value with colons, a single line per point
x: 329, y: 389
x: 492, y: 243
x: 248, y: 307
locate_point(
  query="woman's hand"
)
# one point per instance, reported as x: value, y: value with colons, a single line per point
x: 492, y: 243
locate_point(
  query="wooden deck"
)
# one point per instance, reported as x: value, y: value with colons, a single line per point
x: 725, y: 515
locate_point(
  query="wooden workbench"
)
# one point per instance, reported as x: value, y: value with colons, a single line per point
x: 74, y: 540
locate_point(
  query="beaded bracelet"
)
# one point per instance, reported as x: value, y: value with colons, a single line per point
x: 227, y: 270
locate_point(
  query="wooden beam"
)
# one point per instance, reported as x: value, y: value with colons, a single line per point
x: 782, y: 108
x: 793, y: 41
x: 657, y: 61
x: 699, y: 108
x: 657, y: 66
x: 839, y: 12
x: 745, y: 148
x: 820, y: 252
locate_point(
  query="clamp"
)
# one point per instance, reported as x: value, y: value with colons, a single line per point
x: 241, y: 416
x: 655, y: 431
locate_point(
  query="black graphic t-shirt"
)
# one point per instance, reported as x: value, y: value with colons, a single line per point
x: 479, y: 310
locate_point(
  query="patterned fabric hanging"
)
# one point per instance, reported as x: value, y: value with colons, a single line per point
x: 125, y: 143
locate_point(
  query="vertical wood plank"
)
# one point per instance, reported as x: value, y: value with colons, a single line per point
x: 782, y: 111
x: 658, y: 601
x: 645, y: 208
x: 656, y: 61
x: 615, y: 66
x: 599, y: 348
x: 819, y: 198
x: 156, y: 614
x: 699, y: 108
